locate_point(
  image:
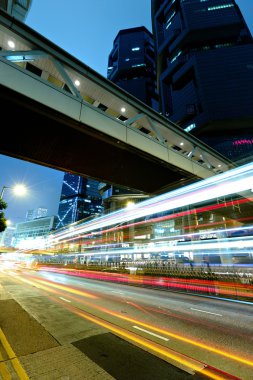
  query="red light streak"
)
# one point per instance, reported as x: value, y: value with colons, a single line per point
x: 202, y: 286
x: 167, y: 217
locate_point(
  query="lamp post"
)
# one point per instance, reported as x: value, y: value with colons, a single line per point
x: 3, y: 190
x: 19, y: 190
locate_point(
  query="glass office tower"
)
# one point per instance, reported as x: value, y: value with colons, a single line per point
x: 131, y: 64
x: 36, y: 213
x: 79, y: 199
x: 204, y: 69
x: 16, y: 8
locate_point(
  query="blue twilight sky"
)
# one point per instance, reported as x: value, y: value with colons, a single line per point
x: 86, y: 29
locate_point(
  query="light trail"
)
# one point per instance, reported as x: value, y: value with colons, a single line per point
x: 46, y: 285
x: 220, y: 185
x: 67, y: 289
x: 163, y: 218
x: 236, y: 243
x: 169, y: 217
x: 202, y: 286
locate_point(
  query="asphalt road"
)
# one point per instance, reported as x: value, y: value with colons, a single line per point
x: 185, y: 330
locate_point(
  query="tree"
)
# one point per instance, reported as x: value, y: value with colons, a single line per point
x: 3, y: 220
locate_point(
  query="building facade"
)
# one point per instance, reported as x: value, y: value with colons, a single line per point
x: 33, y: 233
x: 16, y: 8
x: 131, y: 64
x: 6, y: 237
x: 204, y: 70
x: 39, y: 212
x: 80, y: 199
x: 115, y: 198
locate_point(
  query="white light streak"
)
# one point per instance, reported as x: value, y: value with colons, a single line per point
x: 239, y: 179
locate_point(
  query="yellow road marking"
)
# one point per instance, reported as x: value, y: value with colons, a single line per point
x: 4, y: 371
x: 13, y: 358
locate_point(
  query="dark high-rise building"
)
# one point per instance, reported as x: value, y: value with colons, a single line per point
x: 205, y: 71
x: 115, y: 197
x: 79, y: 199
x: 131, y: 64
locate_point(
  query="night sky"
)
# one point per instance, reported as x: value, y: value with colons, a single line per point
x: 85, y: 29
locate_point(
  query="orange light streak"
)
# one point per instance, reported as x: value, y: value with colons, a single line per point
x: 139, y: 308
x: 185, y: 340
x: 67, y: 289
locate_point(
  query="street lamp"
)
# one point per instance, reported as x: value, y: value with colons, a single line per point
x: 19, y: 190
x: 130, y: 204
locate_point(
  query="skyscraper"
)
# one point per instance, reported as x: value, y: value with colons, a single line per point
x: 6, y: 237
x: 16, y: 8
x: 33, y: 233
x: 36, y: 213
x: 131, y: 64
x: 204, y: 69
x: 79, y: 199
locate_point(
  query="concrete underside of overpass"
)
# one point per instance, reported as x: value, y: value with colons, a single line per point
x: 38, y: 134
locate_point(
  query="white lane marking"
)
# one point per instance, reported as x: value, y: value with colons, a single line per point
x: 150, y: 333
x: 114, y: 291
x: 64, y: 299
x: 208, y: 312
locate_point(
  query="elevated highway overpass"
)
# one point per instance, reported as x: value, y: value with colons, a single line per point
x: 62, y: 114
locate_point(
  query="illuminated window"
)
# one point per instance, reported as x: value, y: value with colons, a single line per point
x: 176, y: 56
x: 190, y: 127
x: 139, y: 65
x: 222, y: 6
x: 169, y: 19
x: 222, y: 45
